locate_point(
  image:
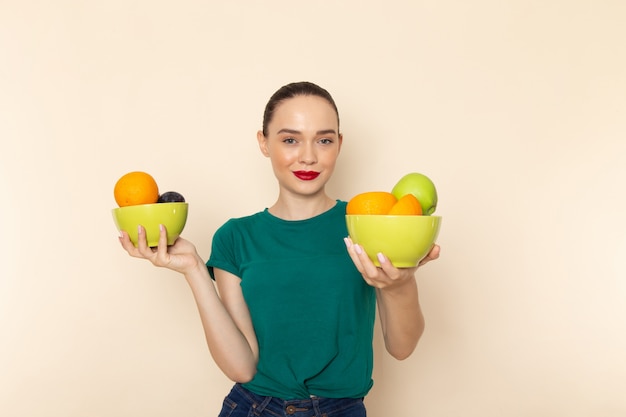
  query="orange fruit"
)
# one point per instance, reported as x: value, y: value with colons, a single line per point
x: 408, y: 205
x: 136, y: 188
x: 372, y: 202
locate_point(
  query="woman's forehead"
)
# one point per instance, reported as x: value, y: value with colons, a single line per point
x: 305, y: 110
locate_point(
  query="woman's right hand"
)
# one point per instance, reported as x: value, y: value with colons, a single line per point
x: 181, y: 256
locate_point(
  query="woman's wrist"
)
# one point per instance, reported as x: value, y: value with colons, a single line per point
x: 198, y: 267
x: 402, y: 288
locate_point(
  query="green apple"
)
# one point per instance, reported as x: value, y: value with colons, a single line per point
x: 421, y: 187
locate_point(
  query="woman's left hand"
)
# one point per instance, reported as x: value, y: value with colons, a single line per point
x: 386, y: 276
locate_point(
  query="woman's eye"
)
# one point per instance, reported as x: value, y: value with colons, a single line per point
x: 326, y: 141
x: 289, y: 140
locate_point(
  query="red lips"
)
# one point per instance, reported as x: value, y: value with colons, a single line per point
x: 306, y: 175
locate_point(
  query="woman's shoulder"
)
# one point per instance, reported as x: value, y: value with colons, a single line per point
x: 340, y: 206
x: 242, y: 221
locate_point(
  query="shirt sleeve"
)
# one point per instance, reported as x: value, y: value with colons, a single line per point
x: 223, y: 254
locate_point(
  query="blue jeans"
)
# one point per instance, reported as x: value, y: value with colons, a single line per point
x: 241, y: 402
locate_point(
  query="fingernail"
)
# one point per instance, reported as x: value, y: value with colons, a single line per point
x: 357, y: 249
x: 346, y: 241
x: 381, y: 258
x: 161, y: 227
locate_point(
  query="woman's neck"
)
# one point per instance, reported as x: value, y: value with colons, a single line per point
x: 301, y: 208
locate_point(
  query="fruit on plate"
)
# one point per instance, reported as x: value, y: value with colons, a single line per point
x: 139, y: 201
x: 406, y: 205
x: 397, y: 224
x: 382, y: 202
x: 372, y: 202
x: 420, y: 186
x: 171, y: 197
x: 135, y: 188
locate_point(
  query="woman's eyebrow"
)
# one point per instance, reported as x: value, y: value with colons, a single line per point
x: 327, y: 132
x: 319, y: 132
x: 290, y: 131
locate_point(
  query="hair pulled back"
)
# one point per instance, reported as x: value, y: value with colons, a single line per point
x: 302, y: 88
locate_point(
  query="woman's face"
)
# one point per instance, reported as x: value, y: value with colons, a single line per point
x: 303, y: 143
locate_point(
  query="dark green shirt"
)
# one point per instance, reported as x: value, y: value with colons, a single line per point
x: 313, y: 313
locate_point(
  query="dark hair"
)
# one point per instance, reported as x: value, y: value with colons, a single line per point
x: 302, y: 88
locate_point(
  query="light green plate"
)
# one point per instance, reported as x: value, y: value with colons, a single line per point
x: 150, y: 216
x: 405, y: 240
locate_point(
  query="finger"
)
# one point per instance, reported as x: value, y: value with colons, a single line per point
x: 434, y: 252
x: 387, y: 266
x: 369, y: 269
x: 124, y: 239
x: 126, y: 243
x: 162, y: 246
x: 142, y: 243
x: 432, y: 255
x: 353, y: 254
x: 363, y: 263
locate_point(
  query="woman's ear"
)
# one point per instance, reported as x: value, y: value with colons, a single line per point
x: 260, y: 137
x: 340, y: 142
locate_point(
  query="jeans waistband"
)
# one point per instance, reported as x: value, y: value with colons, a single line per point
x: 312, y: 406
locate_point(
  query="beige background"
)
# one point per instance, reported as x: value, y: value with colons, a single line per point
x: 516, y: 109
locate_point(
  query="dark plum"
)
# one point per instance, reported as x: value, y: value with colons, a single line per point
x: 171, y: 197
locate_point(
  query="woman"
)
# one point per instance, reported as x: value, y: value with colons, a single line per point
x: 291, y: 320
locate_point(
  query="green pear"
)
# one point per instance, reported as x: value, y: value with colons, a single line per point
x: 421, y: 187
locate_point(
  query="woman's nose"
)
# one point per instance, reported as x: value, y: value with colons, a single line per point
x: 307, y: 154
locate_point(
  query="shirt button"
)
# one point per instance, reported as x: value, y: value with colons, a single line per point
x: 291, y: 409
